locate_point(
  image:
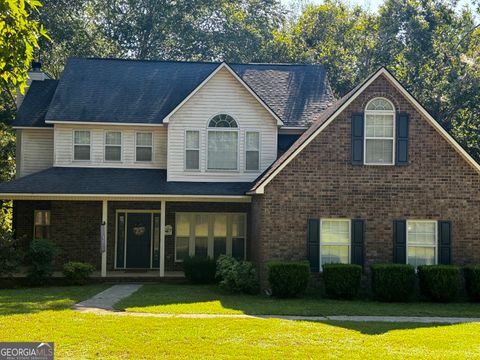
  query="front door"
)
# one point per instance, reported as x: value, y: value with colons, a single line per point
x: 139, y: 236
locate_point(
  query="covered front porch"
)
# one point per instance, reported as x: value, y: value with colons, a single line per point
x: 134, y: 235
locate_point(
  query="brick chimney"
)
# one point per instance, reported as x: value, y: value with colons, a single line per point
x: 34, y: 74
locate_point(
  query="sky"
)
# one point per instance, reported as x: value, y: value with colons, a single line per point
x: 368, y: 4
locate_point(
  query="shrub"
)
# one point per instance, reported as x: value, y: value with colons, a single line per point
x: 237, y: 276
x: 393, y: 282
x: 41, y: 255
x: 342, y: 281
x: 77, y: 273
x: 288, y: 278
x: 472, y: 281
x: 439, y: 282
x: 199, y: 270
x: 10, y: 257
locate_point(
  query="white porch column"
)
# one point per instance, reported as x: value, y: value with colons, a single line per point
x: 104, y: 223
x: 162, y: 238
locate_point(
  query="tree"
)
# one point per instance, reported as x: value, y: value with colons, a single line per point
x: 19, y: 36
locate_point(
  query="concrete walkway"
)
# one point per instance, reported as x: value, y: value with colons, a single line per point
x: 107, y: 298
x: 390, y: 319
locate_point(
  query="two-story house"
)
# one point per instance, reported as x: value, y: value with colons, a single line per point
x: 134, y: 165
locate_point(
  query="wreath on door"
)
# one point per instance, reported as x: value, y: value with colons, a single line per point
x: 138, y: 229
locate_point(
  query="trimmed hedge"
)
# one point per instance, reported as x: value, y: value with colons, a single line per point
x: 237, y: 276
x: 342, y: 281
x: 439, y: 283
x: 393, y: 282
x: 41, y: 255
x: 77, y: 273
x: 288, y: 278
x: 472, y: 281
x: 200, y: 270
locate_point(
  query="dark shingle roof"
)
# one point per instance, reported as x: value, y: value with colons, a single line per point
x: 96, y: 181
x: 136, y: 91
x: 35, y: 105
x: 296, y: 93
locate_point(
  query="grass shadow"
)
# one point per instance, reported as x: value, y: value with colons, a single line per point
x: 32, y: 300
x: 378, y: 328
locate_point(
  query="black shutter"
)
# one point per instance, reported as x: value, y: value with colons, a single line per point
x: 444, y: 242
x: 357, y: 139
x: 401, y: 157
x: 313, y: 244
x: 358, y: 241
x: 400, y: 241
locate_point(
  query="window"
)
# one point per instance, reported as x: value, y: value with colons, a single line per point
x: 113, y: 146
x: 192, y: 150
x: 210, y: 234
x: 222, y: 143
x: 252, y: 151
x: 335, y: 240
x: 81, y: 145
x: 379, y: 132
x: 41, y: 227
x: 144, y: 146
x: 421, y: 242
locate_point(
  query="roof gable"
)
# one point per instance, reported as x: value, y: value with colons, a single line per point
x: 328, y: 116
x: 239, y: 79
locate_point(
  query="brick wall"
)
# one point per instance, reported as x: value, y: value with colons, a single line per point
x: 74, y: 228
x: 321, y: 183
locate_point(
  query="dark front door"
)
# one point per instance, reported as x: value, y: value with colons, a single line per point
x: 139, y: 236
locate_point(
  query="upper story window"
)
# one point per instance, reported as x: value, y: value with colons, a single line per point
x: 113, y: 146
x: 252, y: 151
x: 81, y: 145
x: 222, y: 143
x: 143, y: 146
x: 192, y: 150
x: 379, y: 132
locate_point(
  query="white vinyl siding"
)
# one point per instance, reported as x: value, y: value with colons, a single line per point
x: 421, y: 242
x: 34, y: 150
x: 335, y: 241
x: 64, y: 146
x: 222, y: 94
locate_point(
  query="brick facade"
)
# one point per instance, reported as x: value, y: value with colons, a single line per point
x: 321, y: 182
x: 75, y: 226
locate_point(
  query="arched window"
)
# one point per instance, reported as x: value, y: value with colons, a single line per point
x: 222, y: 121
x: 222, y: 143
x: 379, y: 132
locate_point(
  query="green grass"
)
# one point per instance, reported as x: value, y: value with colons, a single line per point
x: 27, y: 300
x: 90, y: 336
x: 191, y: 299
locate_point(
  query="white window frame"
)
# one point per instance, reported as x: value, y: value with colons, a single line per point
x: 105, y: 146
x: 379, y: 112
x: 259, y: 150
x: 336, y: 244
x: 210, y: 246
x: 144, y: 146
x: 89, y: 145
x: 35, y: 212
x: 219, y: 129
x: 191, y: 149
x: 422, y: 245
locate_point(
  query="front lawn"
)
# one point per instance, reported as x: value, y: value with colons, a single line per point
x: 91, y: 336
x: 209, y: 299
